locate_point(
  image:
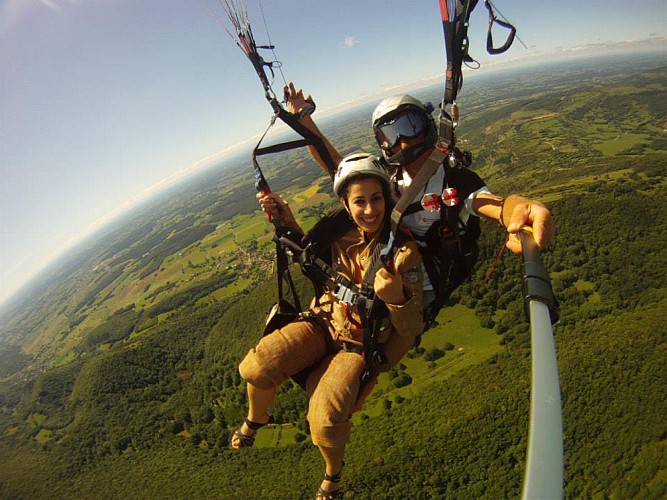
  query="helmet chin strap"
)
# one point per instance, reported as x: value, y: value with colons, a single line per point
x: 406, y: 156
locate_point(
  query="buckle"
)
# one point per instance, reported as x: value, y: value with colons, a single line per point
x: 350, y: 347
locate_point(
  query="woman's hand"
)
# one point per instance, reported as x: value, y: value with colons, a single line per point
x: 270, y: 203
x: 389, y: 287
x: 273, y: 205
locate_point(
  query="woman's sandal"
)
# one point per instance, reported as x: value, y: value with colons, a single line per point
x: 330, y: 495
x: 248, y: 441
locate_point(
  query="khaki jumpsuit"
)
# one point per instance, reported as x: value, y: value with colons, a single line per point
x: 329, y: 345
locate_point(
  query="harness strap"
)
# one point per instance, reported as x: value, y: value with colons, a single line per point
x: 377, y: 310
x: 309, y: 139
x: 319, y: 271
x: 373, y: 312
x: 283, y: 272
x: 283, y: 146
x: 425, y: 172
x: 371, y: 308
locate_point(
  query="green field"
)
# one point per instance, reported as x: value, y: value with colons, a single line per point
x: 119, y: 374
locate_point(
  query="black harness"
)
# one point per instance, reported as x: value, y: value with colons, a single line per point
x: 373, y: 311
x: 449, y: 250
x: 451, y: 247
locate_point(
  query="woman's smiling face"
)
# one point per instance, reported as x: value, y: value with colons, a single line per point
x: 366, y: 204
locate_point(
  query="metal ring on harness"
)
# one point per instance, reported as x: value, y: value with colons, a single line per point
x: 350, y: 347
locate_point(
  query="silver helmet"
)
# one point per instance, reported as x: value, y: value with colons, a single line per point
x: 356, y: 165
x: 403, y: 116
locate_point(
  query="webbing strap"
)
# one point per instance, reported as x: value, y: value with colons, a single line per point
x: 309, y: 138
x: 425, y: 173
x: 283, y: 146
x: 283, y: 273
x: 372, y: 314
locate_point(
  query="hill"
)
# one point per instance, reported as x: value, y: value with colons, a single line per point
x: 120, y: 380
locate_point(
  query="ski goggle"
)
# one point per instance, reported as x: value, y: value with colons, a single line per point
x: 406, y: 125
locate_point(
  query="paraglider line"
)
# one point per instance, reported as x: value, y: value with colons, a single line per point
x: 277, y: 63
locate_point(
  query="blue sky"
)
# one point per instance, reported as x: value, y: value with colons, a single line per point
x: 102, y: 102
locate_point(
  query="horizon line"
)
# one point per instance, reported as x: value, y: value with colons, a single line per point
x: 208, y: 161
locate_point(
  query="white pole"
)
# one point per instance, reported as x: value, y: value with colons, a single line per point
x: 544, y: 464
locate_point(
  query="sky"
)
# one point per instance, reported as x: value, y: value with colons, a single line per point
x: 105, y: 102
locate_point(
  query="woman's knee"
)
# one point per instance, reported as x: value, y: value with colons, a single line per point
x: 253, y: 371
x: 333, y: 388
x: 329, y: 415
x: 281, y: 354
x: 331, y: 437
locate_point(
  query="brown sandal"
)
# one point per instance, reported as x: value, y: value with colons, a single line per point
x: 248, y: 441
x: 330, y: 495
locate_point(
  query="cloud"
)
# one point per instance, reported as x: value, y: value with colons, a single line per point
x: 15, y: 12
x: 350, y: 41
x: 51, y: 5
x: 10, y: 13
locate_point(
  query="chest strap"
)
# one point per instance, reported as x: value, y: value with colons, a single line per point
x: 421, y: 179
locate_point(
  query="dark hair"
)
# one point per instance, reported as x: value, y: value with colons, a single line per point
x: 386, y: 188
x: 337, y: 222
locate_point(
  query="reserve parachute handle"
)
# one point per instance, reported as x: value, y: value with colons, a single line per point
x: 544, y: 463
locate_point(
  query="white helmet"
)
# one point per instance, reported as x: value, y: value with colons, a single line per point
x: 389, y: 105
x: 403, y: 116
x: 356, y: 165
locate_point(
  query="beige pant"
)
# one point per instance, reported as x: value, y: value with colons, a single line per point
x: 332, y: 384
